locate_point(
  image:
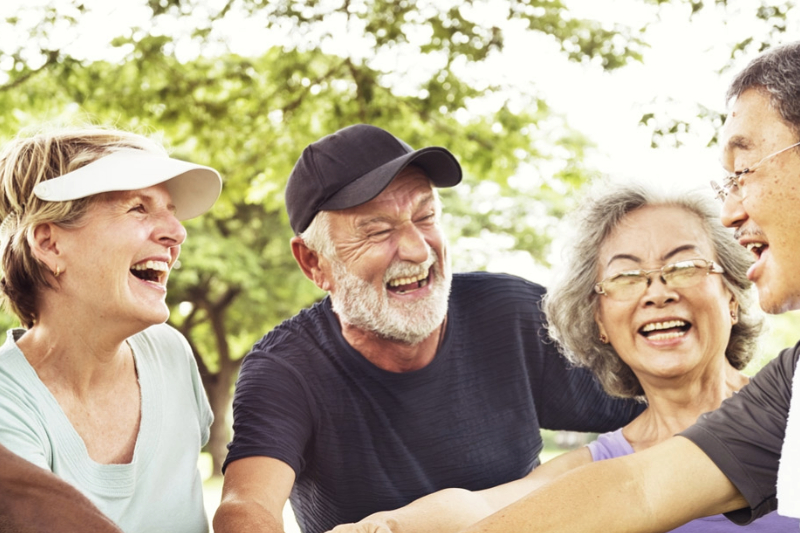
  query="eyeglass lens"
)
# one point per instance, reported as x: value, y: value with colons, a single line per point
x: 730, y: 185
x: 629, y: 285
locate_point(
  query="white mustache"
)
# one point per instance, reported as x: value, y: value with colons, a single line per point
x: 404, y: 269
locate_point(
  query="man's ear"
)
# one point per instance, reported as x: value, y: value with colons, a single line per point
x: 313, y: 265
x: 44, y: 245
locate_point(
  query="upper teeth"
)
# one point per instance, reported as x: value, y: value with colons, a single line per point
x: 408, y: 280
x: 663, y: 325
x: 752, y: 245
x: 151, y: 265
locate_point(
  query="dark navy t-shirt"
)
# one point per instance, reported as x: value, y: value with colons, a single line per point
x: 361, y: 439
x: 744, y: 437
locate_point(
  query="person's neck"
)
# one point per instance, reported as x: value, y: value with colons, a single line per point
x: 82, y: 359
x: 391, y: 355
x: 675, y: 404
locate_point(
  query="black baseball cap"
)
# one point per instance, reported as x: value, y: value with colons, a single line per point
x: 352, y: 166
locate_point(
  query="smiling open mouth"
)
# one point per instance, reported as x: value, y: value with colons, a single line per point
x: 409, y: 283
x: 757, y: 248
x: 671, y: 329
x: 154, y: 271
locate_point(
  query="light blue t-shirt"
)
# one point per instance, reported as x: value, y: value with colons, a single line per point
x: 160, y: 490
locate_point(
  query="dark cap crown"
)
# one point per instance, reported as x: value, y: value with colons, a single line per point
x: 352, y: 166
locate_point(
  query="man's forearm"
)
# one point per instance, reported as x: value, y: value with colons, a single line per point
x: 445, y: 511
x: 574, y: 502
x: 647, y: 492
x: 235, y: 516
x: 35, y: 500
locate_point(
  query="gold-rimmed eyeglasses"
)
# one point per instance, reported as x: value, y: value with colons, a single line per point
x: 732, y: 183
x: 632, y: 284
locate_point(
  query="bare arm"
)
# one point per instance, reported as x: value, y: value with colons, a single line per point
x: 451, y: 510
x: 253, y: 495
x: 653, y: 490
x: 35, y: 500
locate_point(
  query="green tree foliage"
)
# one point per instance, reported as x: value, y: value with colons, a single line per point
x: 670, y: 126
x: 250, y: 116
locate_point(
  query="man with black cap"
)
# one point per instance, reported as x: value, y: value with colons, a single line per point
x: 406, y: 379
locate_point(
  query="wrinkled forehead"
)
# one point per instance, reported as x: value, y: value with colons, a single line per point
x: 739, y: 129
x: 753, y: 125
x: 652, y: 236
x: 410, y: 187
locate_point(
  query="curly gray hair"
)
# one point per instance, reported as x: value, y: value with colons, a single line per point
x: 572, y: 302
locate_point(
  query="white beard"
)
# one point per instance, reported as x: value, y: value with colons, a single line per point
x: 359, y: 304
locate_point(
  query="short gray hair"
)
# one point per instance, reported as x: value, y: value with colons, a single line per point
x: 777, y: 73
x: 317, y: 235
x: 572, y: 302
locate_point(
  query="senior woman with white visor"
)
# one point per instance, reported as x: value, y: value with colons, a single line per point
x: 96, y: 388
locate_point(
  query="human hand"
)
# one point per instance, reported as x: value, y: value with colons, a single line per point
x: 370, y: 524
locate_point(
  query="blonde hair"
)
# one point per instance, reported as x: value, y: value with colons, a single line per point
x: 24, y: 162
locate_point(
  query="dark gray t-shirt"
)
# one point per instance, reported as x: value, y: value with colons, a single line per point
x: 745, y: 435
x: 361, y: 439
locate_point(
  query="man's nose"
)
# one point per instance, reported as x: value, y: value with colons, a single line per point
x: 411, y: 245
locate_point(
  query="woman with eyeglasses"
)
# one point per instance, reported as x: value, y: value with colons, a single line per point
x: 655, y: 301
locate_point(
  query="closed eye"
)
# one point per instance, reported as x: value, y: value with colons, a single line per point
x: 427, y: 219
x: 139, y: 208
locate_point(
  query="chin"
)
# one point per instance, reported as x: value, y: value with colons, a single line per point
x: 779, y: 307
x: 776, y: 303
x: 152, y: 319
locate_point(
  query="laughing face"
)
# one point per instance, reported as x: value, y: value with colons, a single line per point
x: 116, y: 263
x: 765, y: 212
x: 665, y: 332
x: 390, y: 276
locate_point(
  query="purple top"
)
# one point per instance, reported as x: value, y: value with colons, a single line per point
x: 614, y: 444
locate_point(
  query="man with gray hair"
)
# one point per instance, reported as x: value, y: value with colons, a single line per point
x: 406, y: 379
x: 743, y: 458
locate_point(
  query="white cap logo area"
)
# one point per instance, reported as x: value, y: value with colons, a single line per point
x: 193, y: 188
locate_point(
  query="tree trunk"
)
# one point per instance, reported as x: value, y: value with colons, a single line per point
x: 220, y: 396
x: 221, y: 386
x: 218, y: 385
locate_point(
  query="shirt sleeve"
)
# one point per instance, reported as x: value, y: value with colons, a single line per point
x: 272, y: 412
x: 745, y: 435
x: 569, y: 397
x: 23, y: 434
x: 572, y: 399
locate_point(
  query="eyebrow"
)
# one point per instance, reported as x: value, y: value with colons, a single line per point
x: 370, y: 221
x: 423, y: 201
x: 741, y: 142
x: 672, y: 253
x: 138, y: 195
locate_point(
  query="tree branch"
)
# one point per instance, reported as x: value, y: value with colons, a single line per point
x: 52, y: 57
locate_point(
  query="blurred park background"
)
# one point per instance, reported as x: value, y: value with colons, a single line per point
x: 537, y: 98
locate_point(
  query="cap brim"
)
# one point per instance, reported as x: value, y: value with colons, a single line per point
x: 439, y: 165
x: 193, y: 188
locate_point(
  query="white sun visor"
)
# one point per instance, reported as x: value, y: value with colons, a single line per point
x: 193, y: 188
